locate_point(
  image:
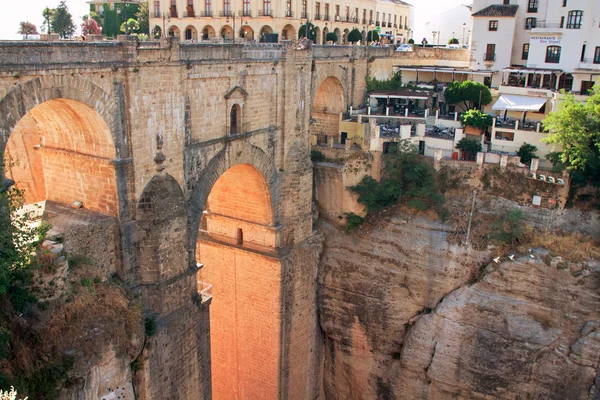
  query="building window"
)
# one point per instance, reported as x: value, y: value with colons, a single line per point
x: 405, y: 22
x: 530, y: 23
x: 525, y: 53
x: 565, y: 82
x: 506, y: 2
x: 564, y: 3
x: 490, y: 53
x: 347, y: 14
x: 493, y: 26
x: 377, y: 18
x: 337, y: 12
x: 317, y: 10
x: 267, y: 7
x: 371, y: 17
x: 553, y: 54
x: 234, y: 119
x: 327, y: 12
x: 597, y: 56
x: 288, y: 8
x: 364, y: 16
x: 356, y: 15
x: 246, y: 8
x: 574, y: 19
x: 304, y: 9
x: 532, y: 6
x: 208, y: 7
x: 227, y: 7
x: 157, y: 9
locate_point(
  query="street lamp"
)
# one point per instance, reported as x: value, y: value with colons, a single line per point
x: 464, y: 27
x: 232, y: 15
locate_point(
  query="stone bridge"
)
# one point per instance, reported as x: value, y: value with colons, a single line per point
x: 201, y: 154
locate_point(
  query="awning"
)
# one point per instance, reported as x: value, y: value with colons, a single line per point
x: 511, y: 102
x: 399, y: 96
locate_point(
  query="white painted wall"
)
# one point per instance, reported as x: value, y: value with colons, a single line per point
x: 446, y: 22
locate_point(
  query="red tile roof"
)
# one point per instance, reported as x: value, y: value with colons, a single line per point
x: 498, y: 10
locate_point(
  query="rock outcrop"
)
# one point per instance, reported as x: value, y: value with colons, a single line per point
x: 406, y: 315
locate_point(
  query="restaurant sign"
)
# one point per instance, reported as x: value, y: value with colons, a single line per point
x: 546, y: 39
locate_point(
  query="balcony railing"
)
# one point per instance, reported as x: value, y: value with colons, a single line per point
x: 303, y: 14
x: 172, y: 13
x: 371, y: 22
x: 156, y: 15
x: 543, y: 24
x: 265, y: 13
x: 489, y: 57
x: 245, y: 13
x: 289, y: 14
x: 532, y: 9
x: 364, y: 21
x: 226, y: 13
x: 205, y: 14
x: 326, y: 17
x: 188, y: 14
x: 377, y: 23
x: 317, y: 16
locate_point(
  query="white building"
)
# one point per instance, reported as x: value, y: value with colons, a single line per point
x: 452, y: 23
x: 533, y: 48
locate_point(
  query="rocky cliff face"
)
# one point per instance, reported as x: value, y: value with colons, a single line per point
x: 406, y: 315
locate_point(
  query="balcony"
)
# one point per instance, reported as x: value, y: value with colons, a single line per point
x: 489, y: 57
x: 205, y: 14
x: 245, y: 13
x: 226, y: 13
x: 172, y: 13
x: 396, y: 25
x: 303, y: 14
x: 156, y: 15
x: 317, y: 16
x: 188, y: 14
x: 590, y: 63
x: 289, y: 14
x: 326, y: 17
x: 265, y: 13
x: 377, y: 23
x: 371, y: 22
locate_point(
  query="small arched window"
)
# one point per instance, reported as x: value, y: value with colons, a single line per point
x: 565, y: 82
x: 235, y: 119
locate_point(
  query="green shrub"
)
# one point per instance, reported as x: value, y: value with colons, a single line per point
x: 317, y: 156
x: 353, y: 221
x: 469, y: 145
x: 510, y: 228
x: 394, y: 83
x: 453, y: 41
x: 373, y: 36
x: 476, y: 119
x: 354, y: 36
x: 86, y: 282
x: 411, y: 41
x: 312, y: 32
x: 527, y: 152
x: 374, y: 195
x: 331, y: 37
x: 150, y: 326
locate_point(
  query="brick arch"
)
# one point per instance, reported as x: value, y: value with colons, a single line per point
x: 24, y: 97
x: 235, y: 153
x: 330, y: 94
x: 162, y: 230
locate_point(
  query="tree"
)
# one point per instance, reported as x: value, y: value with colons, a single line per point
x: 90, y: 27
x: 354, y: 36
x: 142, y: 16
x: 468, y: 93
x: 526, y: 152
x: 372, y: 36
x: 312, y: 32
x: 469, y: 145
x: 62, y: 21
x: 411, y: 41
x: 476, y: 119
x: 453, y: 41
x: 575, y: 126
x: 331, y: 37
x: 48, y: 13
x: 27, y: 28
x: 130, y: 26
x: 510, y: 228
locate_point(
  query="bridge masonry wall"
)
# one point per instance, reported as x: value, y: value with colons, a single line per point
x: 173, y: 100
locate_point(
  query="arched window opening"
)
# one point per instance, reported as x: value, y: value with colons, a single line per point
x: 565, y: 82
x: 235, y: 119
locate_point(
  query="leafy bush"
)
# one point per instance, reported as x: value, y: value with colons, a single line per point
x: 317, y: 156
x: 394, y: 83
x: 510, y: 228
x: 468, y: 93
x: 150, y: 326
x: 411, y: 41
x: 469, y: 145
x: 311, y: 35
x: 453, y: 41
x: 527, y: 152
x: 373, y: 36
x: 476, y: 119
x: 353, y: 221
x: 354, y: 36
x: 374, y: 195
x: 331, y: 36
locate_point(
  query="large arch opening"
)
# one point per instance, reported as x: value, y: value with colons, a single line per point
x: 61, y: 151
x: 328, y: 105
x: 236, y: 245
x: 288, y: 32
x: 191, y: 33
x: 208, y: 32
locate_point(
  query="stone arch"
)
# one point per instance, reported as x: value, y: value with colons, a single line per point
x: 235, y: 153
x: 325, y: 32
x: 345, y: 36
x: 247, y: 33
x: 226, y: 32
x: 208, y: 32
x: 156, y: 32
x: 364, y: 36
x: 288, y: 32
x: 191, y: 33
x: 317, y: 35
x: 330, y: 95
x: 338, y: 35
x: 264, y: 30
x: 162, y: 231
x: 174, y: 31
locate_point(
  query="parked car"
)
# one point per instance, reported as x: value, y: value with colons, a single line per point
x: 454, y: 46
x: 405, y: 47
